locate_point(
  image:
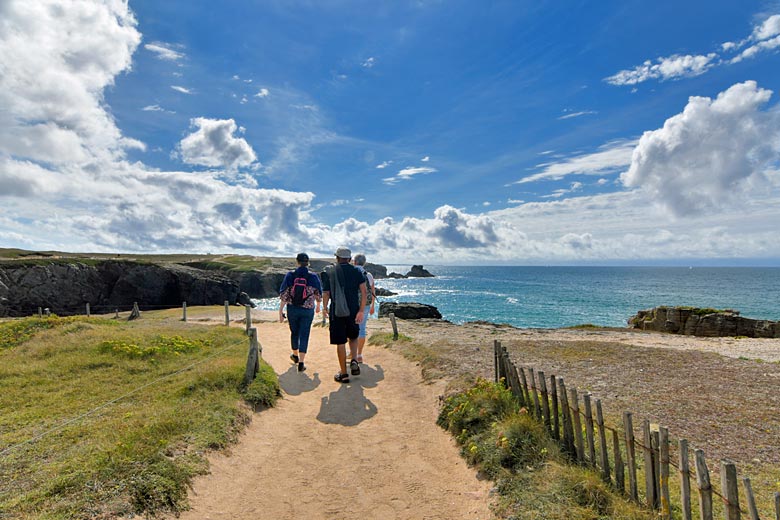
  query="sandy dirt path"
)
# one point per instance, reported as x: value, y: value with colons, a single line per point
x: 366, y: 450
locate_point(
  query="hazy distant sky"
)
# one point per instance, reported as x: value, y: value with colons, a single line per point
x: 426, y: 131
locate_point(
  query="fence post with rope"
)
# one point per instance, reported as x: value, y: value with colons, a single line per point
x: 253, y: 359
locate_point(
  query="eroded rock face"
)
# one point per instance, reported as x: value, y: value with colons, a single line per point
x: 65, y: 288
x: 409, y: 310
x: 703, y: 322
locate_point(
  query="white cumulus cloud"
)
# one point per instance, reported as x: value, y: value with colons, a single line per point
x: 671, y: 67
x: 710, y: 154
x: 214, y: 144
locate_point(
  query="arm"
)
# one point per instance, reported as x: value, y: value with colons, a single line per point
x: 373, y: 299
x: 281, y: 310
x: 325, y: 300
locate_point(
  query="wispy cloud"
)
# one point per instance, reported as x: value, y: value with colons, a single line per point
x: 164, y: 51
x: 425, y: 159
x: 183, y: 90
x: 572, y: 115
x: 384, y: 165
x: 672, y: 67
x: 408, y: 173
x: 157, y: 108
x: 262, y: 93
x: 611, y: 157
x: 764, y: 37
x: 368, y: 63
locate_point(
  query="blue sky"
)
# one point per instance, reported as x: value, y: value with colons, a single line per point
x: 518, y: 132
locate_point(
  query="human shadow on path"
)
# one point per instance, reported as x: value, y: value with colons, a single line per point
x: 296, y: 383
x: 348, y: 405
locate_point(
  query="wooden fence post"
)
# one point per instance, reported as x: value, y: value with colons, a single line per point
x: 135, y: 312
x: 40, y: 312
x: 526, y: 392
x: 568, y: 429
x: 227, y: 313
x: 751, y: 500
x: 647, y: 441
x: 253, y: 359
x: 184, y: 312
x: 705, y: 486
x: 576, y: 424
x: 545, y: 400
x: 88, y: 314
x: 628, y: 426
x: 535, y: 395
x: 777, y: 505
x: 729, y: 489
x: 589, y: 434
x: 602, y: 442
x: 685, y: 480
x: 495, y: 360
x: 248, y: 318
x: 394, y: 324
x: 556, y: 424
x: 620, y: 479
x: 47, y: 312
x: 663, y: 473
x: 116, y: 315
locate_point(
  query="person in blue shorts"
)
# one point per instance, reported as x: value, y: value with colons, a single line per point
x: 301, y: 293
x: 360, y: 262
x: 344, y: 288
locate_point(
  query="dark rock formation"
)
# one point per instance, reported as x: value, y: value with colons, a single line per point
x: 66, y: 287
x: 396, y: 275
x: 409, y: 310
x: 380, y: 291
x: 417, y: 271
x: 703, y: 322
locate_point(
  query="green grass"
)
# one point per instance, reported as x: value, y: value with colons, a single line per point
x: 511, y: 448
x: 138, y: 454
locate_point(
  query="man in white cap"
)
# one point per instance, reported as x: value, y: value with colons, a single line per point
x: 344, y: 287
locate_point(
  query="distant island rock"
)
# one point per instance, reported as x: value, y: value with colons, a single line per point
x: 380, y: 291
x: 417, y: 271
x: 693, y: 321
x: 409, y: 310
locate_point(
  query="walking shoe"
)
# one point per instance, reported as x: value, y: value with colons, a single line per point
x: 354, y: 367
x: 294, y: 358
x: 341, y: 378
x: 301, y: 367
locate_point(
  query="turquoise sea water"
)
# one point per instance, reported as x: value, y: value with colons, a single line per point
x: 551, y: 297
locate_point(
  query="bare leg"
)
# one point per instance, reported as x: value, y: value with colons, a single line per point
x: 353, y: 350
x: 361, y: 344
x: 301, y: 355
x: 342, y: 353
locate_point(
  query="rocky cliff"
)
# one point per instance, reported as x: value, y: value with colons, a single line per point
x: 703, y: 322
x: 66, y: 286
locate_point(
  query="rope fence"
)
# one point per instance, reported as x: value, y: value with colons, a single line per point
x: 559, y: 410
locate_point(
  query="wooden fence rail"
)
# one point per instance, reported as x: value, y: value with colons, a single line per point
x: 558, y: 408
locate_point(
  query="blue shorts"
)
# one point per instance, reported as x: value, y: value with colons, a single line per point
x: 364, y: 322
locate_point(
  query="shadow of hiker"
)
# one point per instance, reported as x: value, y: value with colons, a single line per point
x: 347, y: 406
x: 296, y: 383
x: 369, y: 376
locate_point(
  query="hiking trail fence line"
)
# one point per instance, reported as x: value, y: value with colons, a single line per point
x: 559, y: 409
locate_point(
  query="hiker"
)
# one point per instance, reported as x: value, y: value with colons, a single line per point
x: 344, y: 287
x: 360, y: 262
x: 301, y: 292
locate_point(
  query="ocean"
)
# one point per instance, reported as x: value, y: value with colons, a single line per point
x: 552, y: 297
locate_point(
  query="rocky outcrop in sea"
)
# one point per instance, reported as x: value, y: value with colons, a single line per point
x: 409, y: 310
x: 694, y: 321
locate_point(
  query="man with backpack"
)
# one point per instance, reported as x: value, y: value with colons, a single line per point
x: 301, y: 292
x: 344, y: 287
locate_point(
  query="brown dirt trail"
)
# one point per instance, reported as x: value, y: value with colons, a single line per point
x: 365, y: 450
